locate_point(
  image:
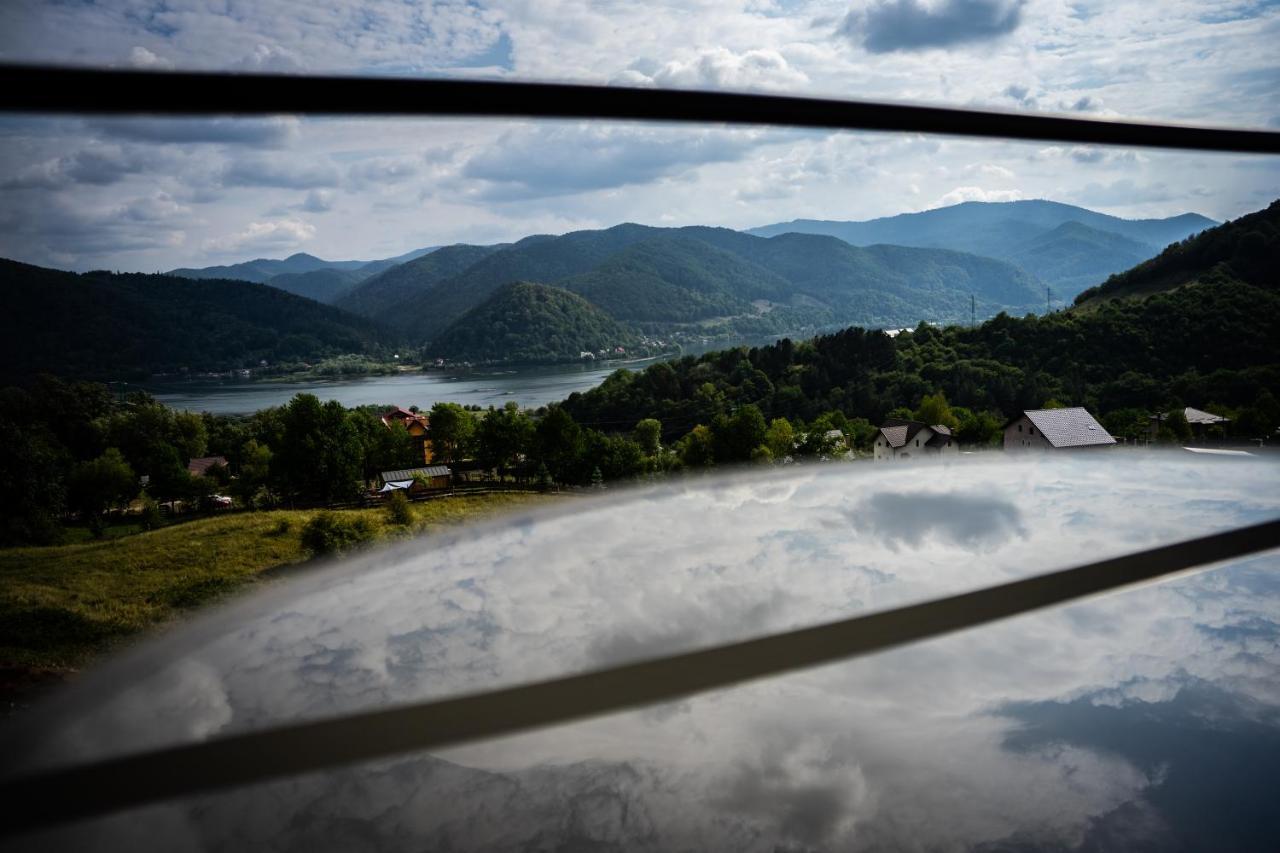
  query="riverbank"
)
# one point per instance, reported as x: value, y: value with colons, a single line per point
x: 63, y: 606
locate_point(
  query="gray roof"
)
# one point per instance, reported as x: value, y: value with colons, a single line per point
x: 898, y: 432
x: 1073, y: 427
x: 410, y: 473
x: 1195, y: 416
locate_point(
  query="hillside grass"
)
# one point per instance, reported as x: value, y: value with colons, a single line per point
x: 61, y: 606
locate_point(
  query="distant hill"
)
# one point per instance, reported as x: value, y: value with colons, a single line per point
x: 380, y: 295
x: 530, y: 323
x: 323, y: 285
x: 1245, y: 250
x: 1017, y: 231
x: 110, y: 326
x: 261, y: 270
x: 666, y: 277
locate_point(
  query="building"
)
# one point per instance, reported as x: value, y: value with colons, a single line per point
x: 1055, y: 429
x: 418, y: 426
x: 1200, y: 422
x: 200, y: 466
x: 900, y: 439
x: 430, y: 478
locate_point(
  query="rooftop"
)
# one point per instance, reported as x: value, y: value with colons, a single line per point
x: 1073, y: 427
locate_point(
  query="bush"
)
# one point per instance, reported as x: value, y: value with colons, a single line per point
x: 329, y: 533
x: 398, y: 511
x: 283, y: 526
x: 149, y: 518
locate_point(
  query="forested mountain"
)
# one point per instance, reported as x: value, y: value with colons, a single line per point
x: 661, y: 277
x: 379, y: 296
x: 104, y: 325
x: 1019, y: 231
x: 323, y: 285
x: 1210, y: 345
x: 1245, y: 250
x: 530, y: 323
x: 262, y: 270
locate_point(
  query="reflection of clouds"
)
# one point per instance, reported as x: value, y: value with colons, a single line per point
x: 901, y: 745
x: 974, y: 522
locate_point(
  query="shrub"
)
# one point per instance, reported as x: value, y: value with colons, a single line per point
x: 398, y: 511
x: 149, y: 517
x: 330, y: 533
x: 282, y: 527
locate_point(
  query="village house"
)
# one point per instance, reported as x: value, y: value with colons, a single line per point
x: 418, y: 426
x: 1055, y: 429
x: 901, y: 439
x: 416, y: 481
x: 199, y: 467
x: 1200, y: 422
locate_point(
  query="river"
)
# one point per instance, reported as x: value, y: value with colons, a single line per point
x: 527, y: 386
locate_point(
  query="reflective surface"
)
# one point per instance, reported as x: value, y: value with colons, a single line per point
x: 1147, y: 719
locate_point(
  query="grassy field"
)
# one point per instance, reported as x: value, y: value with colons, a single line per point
x: 61, y: 606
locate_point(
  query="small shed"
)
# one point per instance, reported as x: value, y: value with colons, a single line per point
x: 430, y: 478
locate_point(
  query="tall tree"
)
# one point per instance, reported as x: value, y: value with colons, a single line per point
x: 451, y: 431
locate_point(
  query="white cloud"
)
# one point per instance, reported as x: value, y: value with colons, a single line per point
x: 961, y: 194
x: 270, y: 236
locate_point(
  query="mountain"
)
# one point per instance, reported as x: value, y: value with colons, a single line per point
x: 379, y: 295
x: 323, y: 285
x: 1245, y: 251
x: 104, y: 325
x: 667, y: 277
x: 530, y: 323
x: 1015, y: 230
x: 261, y: 270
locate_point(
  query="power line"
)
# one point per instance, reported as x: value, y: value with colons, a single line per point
x: 49, y: 89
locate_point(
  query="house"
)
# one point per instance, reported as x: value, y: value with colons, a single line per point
x: 901, y: 439
x: 1056, y: 429
x: 418, y: 426
x: 429, y: 478
x: 199, y: 467
x: 1200, y: 422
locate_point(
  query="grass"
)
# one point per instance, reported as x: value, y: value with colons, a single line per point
x: 63, y: 605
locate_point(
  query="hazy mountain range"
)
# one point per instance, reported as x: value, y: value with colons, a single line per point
x: 796, y: 278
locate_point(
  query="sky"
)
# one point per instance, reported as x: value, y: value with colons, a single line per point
x: 149, y: 194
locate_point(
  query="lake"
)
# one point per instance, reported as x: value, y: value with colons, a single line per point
x: 528, y: 387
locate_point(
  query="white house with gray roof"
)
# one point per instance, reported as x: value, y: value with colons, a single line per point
x: 1055, y: 429
x: 902, y: 439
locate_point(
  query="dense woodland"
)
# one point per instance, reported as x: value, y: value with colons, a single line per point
x: 112, y: 326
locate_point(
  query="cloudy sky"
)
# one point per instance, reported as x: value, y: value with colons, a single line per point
x: 149, y: 194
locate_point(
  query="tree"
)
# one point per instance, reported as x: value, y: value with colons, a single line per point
x: 33, y: 473
x: 451, y: 431
x: 934, y: 409
x: 503, y: 437
x: 255, y: 473
x: 780, y: 438
x: 696, y: 448
x: 102, y: 483
x: 737, y: 436
x: 319, y: 458
x: 558, y: 443
x: 648, y: 434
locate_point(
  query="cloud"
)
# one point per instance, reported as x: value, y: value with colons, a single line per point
x: 722, y: 68
x: 99, y: 165
x: 963, y: 194
x: 894, y: 25
x: 277, y: 235
x: 268, y: 133
x: 556, y: 160
x: 140, y: 57
x: 913, y: 519
x: 318, y: 201
x: 290, y: 173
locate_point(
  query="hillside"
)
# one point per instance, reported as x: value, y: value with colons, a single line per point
x: 261, y: 270
x: 530, y: 324
x: 104, y: 325
x: 1245, y: 250
x: 379, y: 296
x: 1016, y: 231
x: 322, y: 285
x: 665, y: 278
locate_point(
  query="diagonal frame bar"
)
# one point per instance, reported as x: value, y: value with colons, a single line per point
x: 65, y: 794
x: 48, y: 89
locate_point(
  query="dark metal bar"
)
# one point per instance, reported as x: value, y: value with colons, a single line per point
x: 62, y: 795
x: 36, y: 89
